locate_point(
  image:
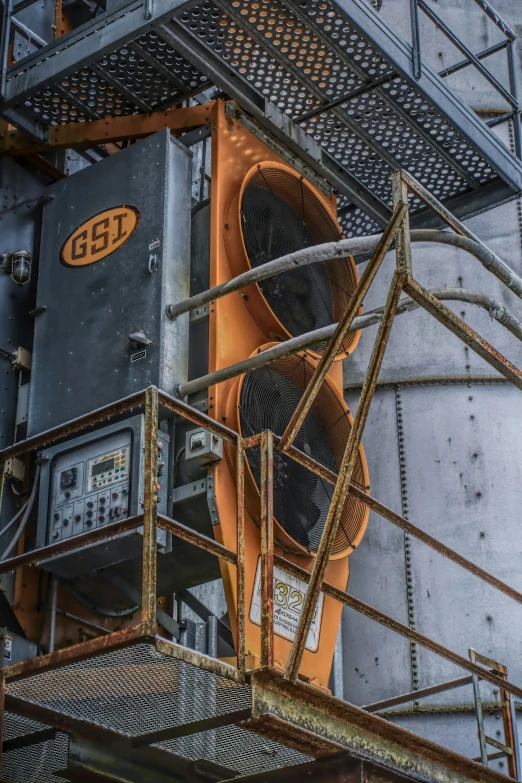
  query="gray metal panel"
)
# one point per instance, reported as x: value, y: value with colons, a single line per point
x: 82, y: 354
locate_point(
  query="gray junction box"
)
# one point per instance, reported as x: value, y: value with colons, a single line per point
x: 83, y: 357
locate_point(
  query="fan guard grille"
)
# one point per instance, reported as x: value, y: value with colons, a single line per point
x: 268, y: 398
x: 280, y: 214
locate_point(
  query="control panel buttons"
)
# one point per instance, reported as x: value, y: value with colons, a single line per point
x: 90, y: 504
x: 57, y: 516
x: 55, y: 534
x: 88, y: 522
x: 78, y: 518
x: 88, y: 514
x: 65, y: 522
x: 101, y: 518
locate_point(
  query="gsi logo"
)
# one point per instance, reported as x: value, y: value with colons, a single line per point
x: 100, y: 236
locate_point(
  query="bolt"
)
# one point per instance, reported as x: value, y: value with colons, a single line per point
x: 478, y: 494
x: 482, y: 534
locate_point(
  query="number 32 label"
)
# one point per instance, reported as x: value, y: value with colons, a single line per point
x: 289, y: 593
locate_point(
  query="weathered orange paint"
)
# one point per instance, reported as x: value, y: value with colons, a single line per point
x: 234, y: 334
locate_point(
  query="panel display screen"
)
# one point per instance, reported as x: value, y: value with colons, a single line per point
x: 102, y: 467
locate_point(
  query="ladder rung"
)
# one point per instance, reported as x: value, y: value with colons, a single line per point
x: 491, y: 756
x: 496, y: 744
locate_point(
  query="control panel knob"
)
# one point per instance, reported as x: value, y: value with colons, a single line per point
x: 114, y: 495
x: 90, y: 504
x: 55, y: 534
x: 89, y: 513
x: 57, y: 516
x: 77, y: 518
x: 101, y: 518
x: 65, y: 522
x: 102, y: 500
x: 67, y: 494
x: 88, y: 522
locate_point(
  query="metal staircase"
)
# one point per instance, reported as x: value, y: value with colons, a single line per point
x: 330, y: 79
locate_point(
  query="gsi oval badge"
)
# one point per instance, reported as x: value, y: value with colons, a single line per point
x: 99, y: 236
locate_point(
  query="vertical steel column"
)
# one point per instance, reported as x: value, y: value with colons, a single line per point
x: 343, y: 482
x: 2, y: 482
x: 480, y: 717
x: 415, y: 39
x: 4, y: 45
x: 513, y: 88
x: 240, y: 550
x: 510, y: 734
x: 267, y: 549
x: 2, y: 686
x: 52, y: 613
x: 516, y: 746
x: 150, y: 502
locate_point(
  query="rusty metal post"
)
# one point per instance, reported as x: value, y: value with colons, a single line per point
x: 343, y: 482
x: 240, y: 549
x: 402, y: 240
x: 150, y: 500
x: 510, y: 733
x: 391, y: 232
x: 468, y: 336
x: 267, y: 549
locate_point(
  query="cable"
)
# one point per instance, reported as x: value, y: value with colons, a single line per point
x: 13, y: 520
x: 28, y: 508
x: 82, y: 599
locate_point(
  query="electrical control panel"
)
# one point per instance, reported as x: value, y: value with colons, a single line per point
x: 92, y: 481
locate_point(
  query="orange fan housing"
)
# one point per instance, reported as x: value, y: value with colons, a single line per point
x: 239, y: 325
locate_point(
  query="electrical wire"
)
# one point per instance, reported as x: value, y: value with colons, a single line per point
x: 21, y: 527
x: 82, y: 599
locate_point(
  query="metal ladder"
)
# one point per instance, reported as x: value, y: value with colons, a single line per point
x: 510, y: 748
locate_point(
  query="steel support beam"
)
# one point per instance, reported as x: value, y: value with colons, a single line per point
x: 298, y: 714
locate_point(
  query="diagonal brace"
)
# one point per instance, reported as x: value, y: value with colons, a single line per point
x: 456, y: 325
x: 367, y: 278
x: 343, y: 482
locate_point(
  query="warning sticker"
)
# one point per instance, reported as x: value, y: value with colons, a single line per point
x: 289, y: 593
x: 8, y: 648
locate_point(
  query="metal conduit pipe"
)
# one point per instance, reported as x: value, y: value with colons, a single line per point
x: 309, y: 339
x: 348, y: 247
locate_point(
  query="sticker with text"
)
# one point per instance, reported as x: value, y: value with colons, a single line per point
x: 289, y: 593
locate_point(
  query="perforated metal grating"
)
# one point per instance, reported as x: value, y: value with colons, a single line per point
x: 237, y: 749
x: 134, y: 691
x: 38, y: 763
x: 300, y: 55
